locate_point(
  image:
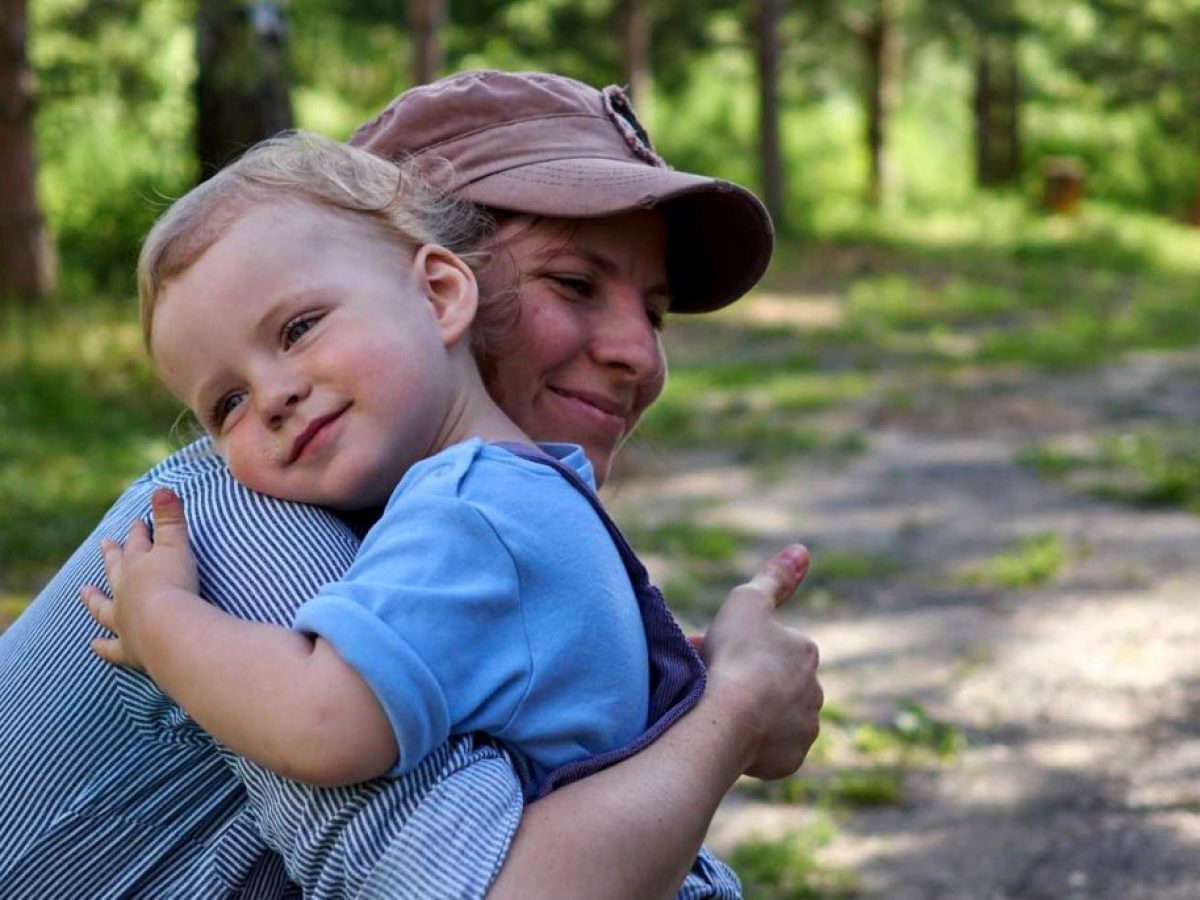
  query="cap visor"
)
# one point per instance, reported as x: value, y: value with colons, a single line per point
x: 719, y: 234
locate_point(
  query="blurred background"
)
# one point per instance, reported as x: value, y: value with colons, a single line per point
x: 968, y: 381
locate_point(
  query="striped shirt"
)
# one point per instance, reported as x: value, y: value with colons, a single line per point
x: 108, y: 790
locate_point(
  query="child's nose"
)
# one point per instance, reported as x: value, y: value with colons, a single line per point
x: 281, y: 399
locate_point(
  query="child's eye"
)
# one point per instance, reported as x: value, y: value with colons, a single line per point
x: 297, y: 328
x: 224, y: 407
x: 657, y: 318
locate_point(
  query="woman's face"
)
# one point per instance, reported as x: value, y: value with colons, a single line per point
x: 583, y: 359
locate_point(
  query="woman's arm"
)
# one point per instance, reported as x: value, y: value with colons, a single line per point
x: 278, y: 697
x: 634, y: 829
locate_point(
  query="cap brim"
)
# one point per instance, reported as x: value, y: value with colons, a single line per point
x: 719, y: 235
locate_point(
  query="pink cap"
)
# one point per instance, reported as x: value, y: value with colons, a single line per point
x: 551, y: 146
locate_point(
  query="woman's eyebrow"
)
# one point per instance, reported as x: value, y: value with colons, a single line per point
x: 601, y: 262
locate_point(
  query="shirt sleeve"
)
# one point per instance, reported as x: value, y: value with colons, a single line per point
x: 710, y: 878
x: 430, y: 616
x: 452, y: 819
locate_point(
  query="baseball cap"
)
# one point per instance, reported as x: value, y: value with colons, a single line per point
x: 547, y: 145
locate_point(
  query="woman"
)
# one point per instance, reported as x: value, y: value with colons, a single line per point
x: 136, y: 801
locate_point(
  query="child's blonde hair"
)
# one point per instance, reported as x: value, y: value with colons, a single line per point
x: 318, y: 170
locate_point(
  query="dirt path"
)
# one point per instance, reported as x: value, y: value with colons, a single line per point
x: 1079, y: 698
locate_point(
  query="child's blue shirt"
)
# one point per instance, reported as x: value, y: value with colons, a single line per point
x: 490, y: 597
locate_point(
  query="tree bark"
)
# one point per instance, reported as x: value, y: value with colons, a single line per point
x: 27, y: 265
x: 635, y: 29
x: 770, y: 152
x: 425, y: 19
x: 241, y: 84
x: 881, y: 53
x: 997, y: 112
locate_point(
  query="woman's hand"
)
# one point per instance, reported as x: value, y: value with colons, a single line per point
x: 762, y: 674
x: 142, y: 574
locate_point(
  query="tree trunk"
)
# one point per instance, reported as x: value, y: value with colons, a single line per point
x: 770, y: 154
x: 241, y: 82
x: 997, y: 112
x: 27, y: 269
x: 425, y: 19
x: 635, y: 28
x: 881, y: 51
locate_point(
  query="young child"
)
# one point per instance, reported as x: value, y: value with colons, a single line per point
x: 307, y: 305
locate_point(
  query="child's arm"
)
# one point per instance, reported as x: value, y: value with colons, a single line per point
x: 273, y: 695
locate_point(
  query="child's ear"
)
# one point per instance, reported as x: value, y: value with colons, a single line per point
x: 449, y: 286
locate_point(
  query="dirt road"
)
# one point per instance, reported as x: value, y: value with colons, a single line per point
x: 1079, y: 697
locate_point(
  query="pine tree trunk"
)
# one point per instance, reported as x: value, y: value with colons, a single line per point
x: 997, y: 113
x: 27, y: 270
x: 770, y: 152
x: 635, y: 27
x: 241, y: 83
x: 425, y: 18
x: 881, y: 52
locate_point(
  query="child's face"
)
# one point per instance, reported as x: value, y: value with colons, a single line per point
x: 305, y: 345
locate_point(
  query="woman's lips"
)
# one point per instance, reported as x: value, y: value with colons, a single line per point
x: 596, y: 404
x: 312, y: 431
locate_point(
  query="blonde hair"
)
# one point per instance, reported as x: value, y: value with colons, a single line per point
x: 402, y: 201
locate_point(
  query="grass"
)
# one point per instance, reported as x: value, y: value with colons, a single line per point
x: 81, y: 414
x: 1155, y: 466
x: 1032, y: 561
x: 790, y: 868
x: 861, y: 763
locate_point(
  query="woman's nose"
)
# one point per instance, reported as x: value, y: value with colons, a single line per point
x: 627, y: 339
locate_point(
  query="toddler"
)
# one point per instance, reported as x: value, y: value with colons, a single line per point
x: 313, y: 305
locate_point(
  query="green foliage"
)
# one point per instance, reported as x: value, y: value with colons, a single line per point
x: 113, y: 129
x: 1157, y: 467
x: 1035, y: 560
x: 80, y: 415
x: 857, y: 763
x: 790, y: 868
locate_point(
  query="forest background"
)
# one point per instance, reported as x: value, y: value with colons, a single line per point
x: 987, y: 218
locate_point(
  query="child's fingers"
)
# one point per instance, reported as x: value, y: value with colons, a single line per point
x: 170, y: 525
x: 99, y: 607
x: 138, y: 540
x: 110, y: 650
x: 111, y: 553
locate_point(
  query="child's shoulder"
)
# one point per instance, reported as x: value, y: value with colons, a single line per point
x: 475, y: 470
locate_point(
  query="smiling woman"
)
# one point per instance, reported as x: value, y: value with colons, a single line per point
x: 583, y: 357
x: 613, y: 233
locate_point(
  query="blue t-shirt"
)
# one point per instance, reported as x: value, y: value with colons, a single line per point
x: 490, y: 597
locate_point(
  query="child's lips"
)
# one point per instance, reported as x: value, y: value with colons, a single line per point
x: 310, y: 432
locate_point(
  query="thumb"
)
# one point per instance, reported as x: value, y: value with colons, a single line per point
x: 782, y: 573
x: 170, y: 525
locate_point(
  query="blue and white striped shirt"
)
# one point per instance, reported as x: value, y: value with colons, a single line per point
x: 108, y: 790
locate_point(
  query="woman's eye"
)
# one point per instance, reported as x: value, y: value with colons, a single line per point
x: 297, y: 328
x: 574, y: 284
x: 657, y: 318
x: 225, y: 406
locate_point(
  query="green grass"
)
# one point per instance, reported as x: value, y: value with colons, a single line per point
x: 80, y: 414
x: 1032, y: 561
x: 1155, y: 466
x: 857, y: 763
x: 790, y: 868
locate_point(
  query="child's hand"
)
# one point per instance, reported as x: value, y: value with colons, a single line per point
x: 143, y: 576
